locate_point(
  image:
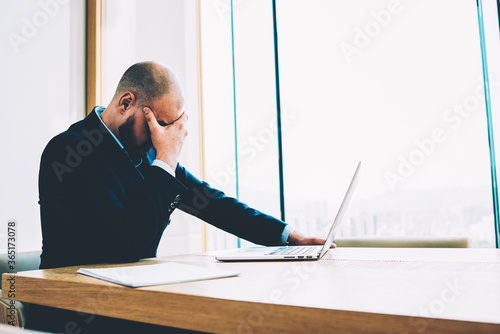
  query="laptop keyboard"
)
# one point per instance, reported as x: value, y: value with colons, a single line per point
x: 294, y: 250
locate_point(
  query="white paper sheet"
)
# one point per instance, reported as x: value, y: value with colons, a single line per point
x: 156, y: 274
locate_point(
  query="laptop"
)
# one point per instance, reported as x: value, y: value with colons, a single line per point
x: 295, y: 253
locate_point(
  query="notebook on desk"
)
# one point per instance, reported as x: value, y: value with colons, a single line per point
x: 295, y: 252
x: 156, y: 274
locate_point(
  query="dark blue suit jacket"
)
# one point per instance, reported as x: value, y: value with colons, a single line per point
x: 97, y: 207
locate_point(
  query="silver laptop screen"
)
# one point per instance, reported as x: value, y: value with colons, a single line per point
x: 341, y: 212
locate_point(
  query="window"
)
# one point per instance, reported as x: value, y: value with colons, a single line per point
x: 245, y: 117
x: 385, y: 82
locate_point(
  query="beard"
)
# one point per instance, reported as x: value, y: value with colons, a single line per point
x: 130, y: 142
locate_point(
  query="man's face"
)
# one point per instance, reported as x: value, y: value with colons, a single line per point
x: 136, y: 146
x: 134, y: 132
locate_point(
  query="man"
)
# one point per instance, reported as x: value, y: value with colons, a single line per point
x: 109, y: 184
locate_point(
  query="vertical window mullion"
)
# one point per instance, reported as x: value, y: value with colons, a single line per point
x: 278, y: 114
x: 489, y: 121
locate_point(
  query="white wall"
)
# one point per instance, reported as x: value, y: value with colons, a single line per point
x: 42, y: 85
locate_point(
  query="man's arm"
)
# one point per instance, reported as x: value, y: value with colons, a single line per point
x: 227, y: 213
x: 212, y: 205
x: 204, y: 202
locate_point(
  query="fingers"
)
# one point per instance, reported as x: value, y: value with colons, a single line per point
x: 150, y: 118
x: 146, y: 111
x: 184, y: 117
x: 181, y: 125
x: 182, y: 120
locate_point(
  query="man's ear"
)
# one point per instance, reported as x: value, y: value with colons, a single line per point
x: 126, y: 100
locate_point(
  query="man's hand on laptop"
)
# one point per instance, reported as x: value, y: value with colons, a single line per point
x: 299, y: 239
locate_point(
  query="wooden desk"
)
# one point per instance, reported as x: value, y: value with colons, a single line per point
x: 351, y: 290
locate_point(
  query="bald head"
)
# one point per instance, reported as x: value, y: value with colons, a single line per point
x: 150, y: 81
x: 146, y: 84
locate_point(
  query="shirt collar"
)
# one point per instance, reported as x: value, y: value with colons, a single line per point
x: 152, y: 154
x: 98, y: 111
